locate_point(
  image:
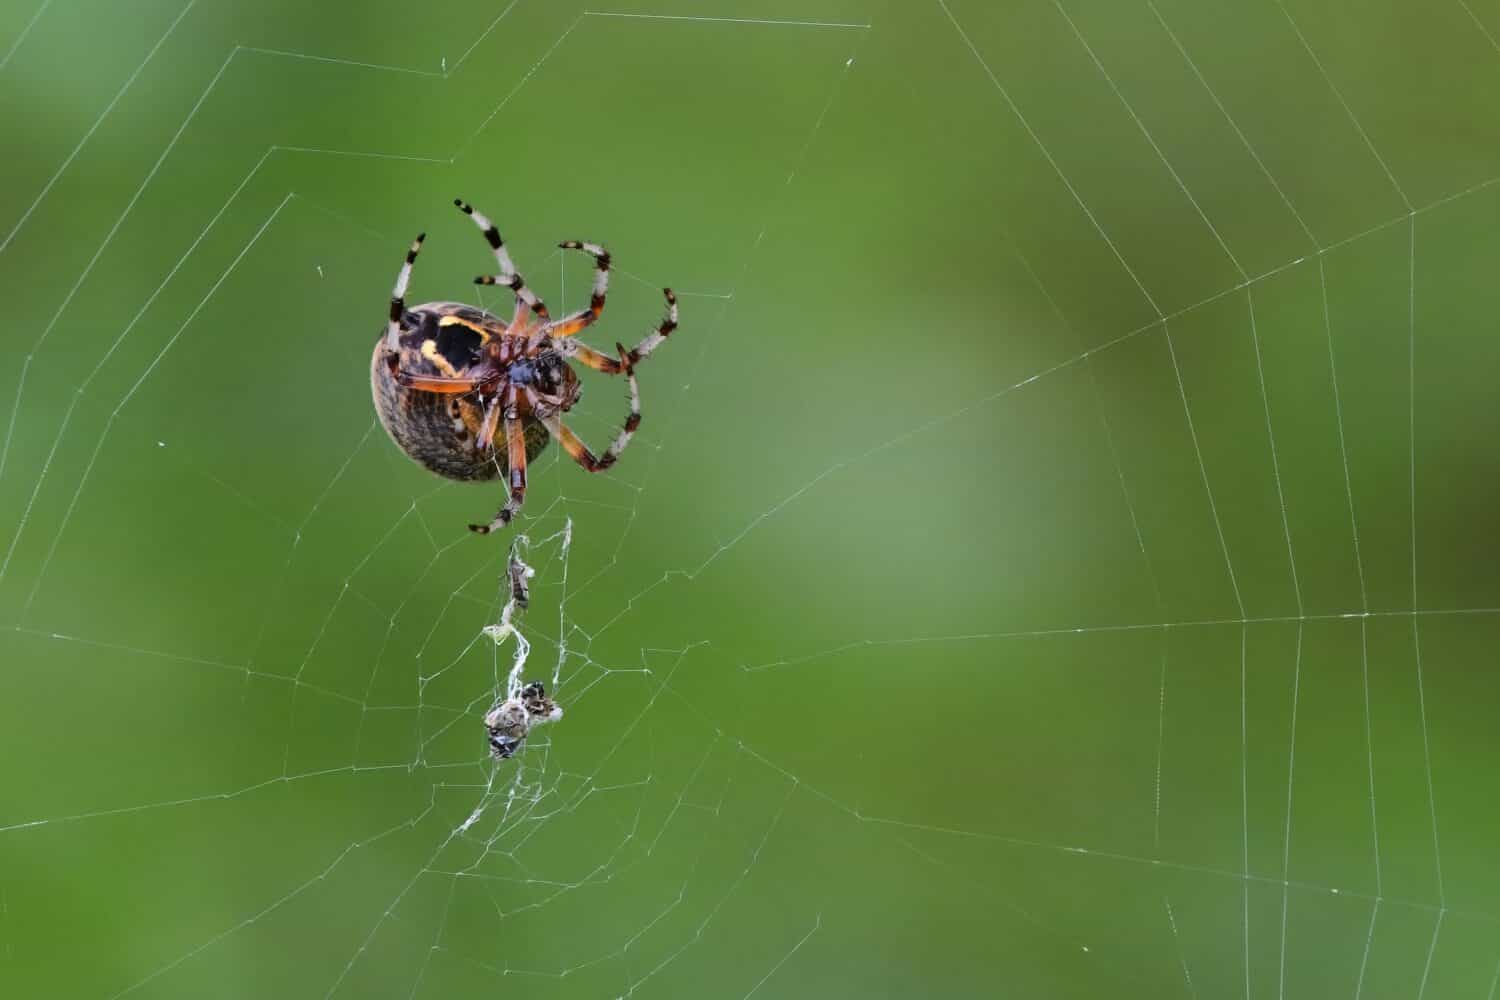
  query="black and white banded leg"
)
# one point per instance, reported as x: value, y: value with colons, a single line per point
x: 398, y: 296
x: 508, y: 276
x: 663, y: 330
x: 525, y: 297
x: 573, y: 444
x: 632, y: 419
x: 583, y: 318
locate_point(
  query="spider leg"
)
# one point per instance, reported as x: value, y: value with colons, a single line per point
x: 432, y: 383
x: 633, y: 419
x: 663, y: 330
x: 488, y: 425
x: 587, y: 355
x: 515, y: 440
x: 525, y: 297
x: 540, y: 401
x: 574, y: 445
x: 398, y: 295
x: 569, y: 325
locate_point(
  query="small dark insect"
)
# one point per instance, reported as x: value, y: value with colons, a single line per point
x: 520, y: 581
x: 510, y: 721
x: 473, y: 398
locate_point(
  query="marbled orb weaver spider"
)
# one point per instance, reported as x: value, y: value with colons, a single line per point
x: 452, y: 381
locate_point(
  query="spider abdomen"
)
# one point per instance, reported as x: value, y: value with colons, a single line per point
x: 437, y: 431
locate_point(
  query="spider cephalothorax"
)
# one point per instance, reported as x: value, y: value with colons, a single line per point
x: 472, y: 398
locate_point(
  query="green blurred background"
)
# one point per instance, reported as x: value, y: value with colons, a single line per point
x: 1057, y: 561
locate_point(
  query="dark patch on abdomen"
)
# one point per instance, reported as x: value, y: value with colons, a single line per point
x: 459, y: 344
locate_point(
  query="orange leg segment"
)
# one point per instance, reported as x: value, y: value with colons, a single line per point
x: 515, y: 442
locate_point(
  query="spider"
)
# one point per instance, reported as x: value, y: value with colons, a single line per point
x: 510, y: 721
x: 453, y: 383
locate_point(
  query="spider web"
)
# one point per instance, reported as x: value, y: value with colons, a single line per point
x: 1052, y: 562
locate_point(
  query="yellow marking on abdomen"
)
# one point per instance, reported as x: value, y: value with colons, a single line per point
x: 451, y: 320
x: 430, y: 352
